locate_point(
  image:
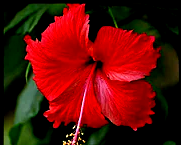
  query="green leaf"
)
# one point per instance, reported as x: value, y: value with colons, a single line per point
x: 27, y: 107
x: 25, y: 134
x: 160, y: 97
x: 169, y: 143
x: 141, y: 26
x: 120, y: 12
x: 97, y: 138
x: 14, y: 64
x: 27, y: 71
x: 21, y: 15
x: 56, y: 9
x: 174, y: 29
x: 14, y: 133
x: 28, y: 103
x: 32, y: 21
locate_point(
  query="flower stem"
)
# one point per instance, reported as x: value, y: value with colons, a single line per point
x: 110, y: 12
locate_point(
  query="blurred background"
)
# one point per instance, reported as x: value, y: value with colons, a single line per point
x: 24, y: 105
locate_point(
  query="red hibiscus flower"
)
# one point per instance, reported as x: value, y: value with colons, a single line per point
x: 87, y: 82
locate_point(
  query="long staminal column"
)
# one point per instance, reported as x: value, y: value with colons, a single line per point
x: 83, y: 103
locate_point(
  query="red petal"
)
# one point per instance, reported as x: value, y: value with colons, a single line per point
x: 68, y: 35
x: 124, y: 103
x: 70, y: 7
x: 61, y: 54
x: 126, y: 56
x: 66, y: 108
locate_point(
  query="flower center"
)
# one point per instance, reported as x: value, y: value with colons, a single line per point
x: 99, y: 64
x: 92, y: 61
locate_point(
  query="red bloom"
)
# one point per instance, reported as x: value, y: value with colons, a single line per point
x: 100, y: 79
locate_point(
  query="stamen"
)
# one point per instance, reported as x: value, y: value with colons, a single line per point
x: 69, y: 141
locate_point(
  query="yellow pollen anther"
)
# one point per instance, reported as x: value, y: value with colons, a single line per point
x: 74, y: 127
x: 71, y: 134
x: 70, y: 141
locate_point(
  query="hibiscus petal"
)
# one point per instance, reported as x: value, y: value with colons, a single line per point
x: 66, y: 108
x: 124, y: 103
x: 68, y: 35
x: 61, y: 54
x: 70, y: 7
x: 126, y: 55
